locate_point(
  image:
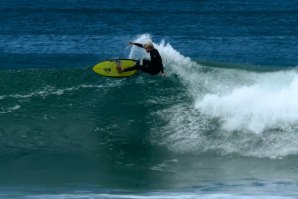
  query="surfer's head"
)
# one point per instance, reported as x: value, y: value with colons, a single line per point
x: 148, y: 46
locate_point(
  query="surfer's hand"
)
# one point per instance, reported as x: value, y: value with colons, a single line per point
x: 130, y: 43
x: 163, y: 74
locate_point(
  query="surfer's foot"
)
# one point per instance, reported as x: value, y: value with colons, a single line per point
x: 119, y: 69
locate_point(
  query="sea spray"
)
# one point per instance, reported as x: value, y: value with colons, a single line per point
x: 174, y: 62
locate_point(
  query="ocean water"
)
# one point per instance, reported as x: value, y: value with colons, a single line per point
x: 223, y: 124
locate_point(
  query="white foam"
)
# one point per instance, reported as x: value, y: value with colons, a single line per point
x: 271, y: 102
x: 243, y: 100
x: 261, y: 107
x: 10, y: 109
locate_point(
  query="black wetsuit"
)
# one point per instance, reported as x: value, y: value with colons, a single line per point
x: 152, y: 67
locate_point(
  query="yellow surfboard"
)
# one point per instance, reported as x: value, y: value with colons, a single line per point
x: 108, y: 68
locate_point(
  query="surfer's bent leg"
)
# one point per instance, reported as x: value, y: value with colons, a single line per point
x: 146, y: 67
x: 135, y: 67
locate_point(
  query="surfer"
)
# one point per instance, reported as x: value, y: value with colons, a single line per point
x: 153, y: 66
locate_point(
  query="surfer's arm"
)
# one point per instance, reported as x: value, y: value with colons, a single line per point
x: 136, y: 44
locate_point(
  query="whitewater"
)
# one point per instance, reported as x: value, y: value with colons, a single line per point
x: 257, y: 106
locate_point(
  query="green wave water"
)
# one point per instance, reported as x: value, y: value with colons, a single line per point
x: 198, y: 126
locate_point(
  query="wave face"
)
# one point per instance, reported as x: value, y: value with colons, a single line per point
x: 197, y: 109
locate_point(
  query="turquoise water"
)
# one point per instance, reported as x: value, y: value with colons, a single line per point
x: 222, y: 124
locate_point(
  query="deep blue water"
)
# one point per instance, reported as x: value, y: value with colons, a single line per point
x: 222, y: 124
x: 252, y: 32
